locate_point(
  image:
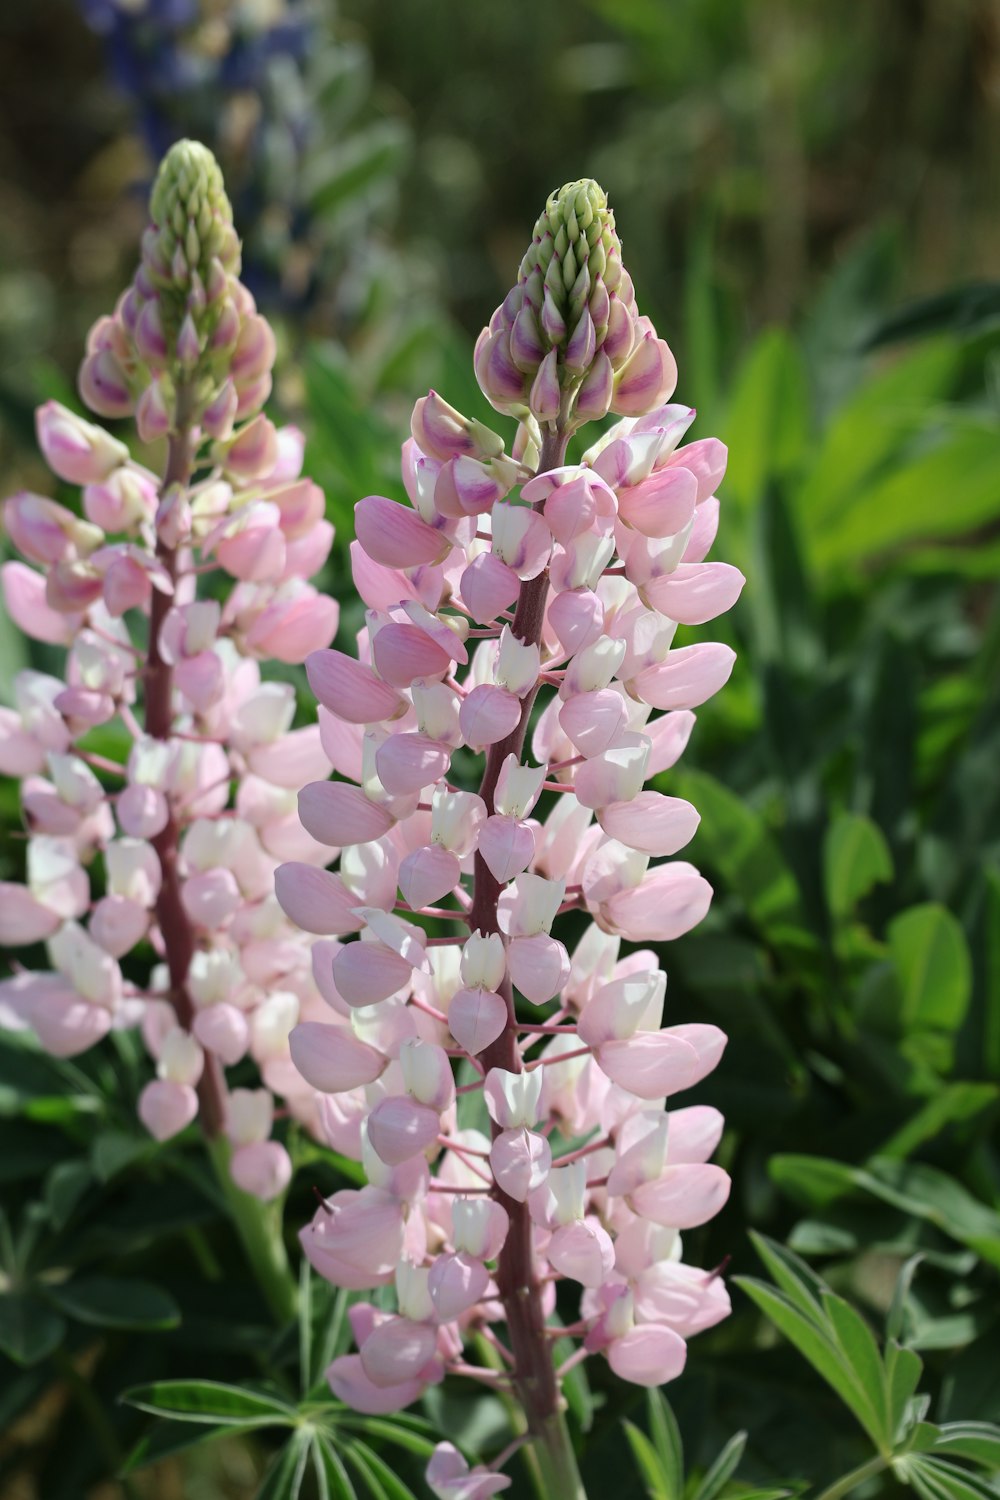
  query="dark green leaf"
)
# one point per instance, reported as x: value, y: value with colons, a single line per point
x: 64, y: 1187
x: 211, y: 1401
x: 667, y: 1440
x: 332, y: 1479
x: 402, y: 1433
x: 29, y: 1329
x: 767, y: 427
x: 383, y: 1483
x: 283, y: 1480
x: 722, y: 1469
x: 861, y: 1352
x: 654, y: 1475
x: 979, y: 1441
x: 166, y: 1438
x: 116, y: 1302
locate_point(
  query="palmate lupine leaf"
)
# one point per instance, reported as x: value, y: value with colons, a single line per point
x: 211, y: 1401
x: 332, y: 1480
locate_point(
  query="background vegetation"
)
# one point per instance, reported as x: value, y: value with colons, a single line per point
x: 806, y: 192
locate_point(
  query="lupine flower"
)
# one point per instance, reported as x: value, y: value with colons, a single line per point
x: 521, y: 612
x: 168, y: 593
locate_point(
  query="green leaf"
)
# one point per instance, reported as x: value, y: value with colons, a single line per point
x: 332, y: 1479
x: 29, y: 1329
x: 167, y: 1438
x: 937, y: 1479
x: 931, y: 957
x: 797, y: 1280
x: 906, y: 505
x: 383, y: 1483
x: 735, y: 841
x: 861, y: 1352
x: 113, y: 1302
x: 354, y: 167
x: 667, y: 1440
x: 393, y: 1430
x: 963, y: 310
x: 722, y: 1469
x: 956, y: 1103
x: 896, y: 1320
x: 903, y: 1370
x: 979, y: 1441
x: 114, y: 1150
x: 855, y: 859
x: 211, y: 1401
x: 654, y: 1476
x: 768, y: 423
x: 819, y: 1348
x: 283, y: 1480
x: 64, y: 1187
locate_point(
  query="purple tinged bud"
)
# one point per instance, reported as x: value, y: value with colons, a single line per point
x: 150, y: 339
x: 500, y: 381
x: 218, y: 281
x: 179, y: 272
x: 220, y: 414
x: 553, y: 321
x: 152, y: 415
x: 173, y: 517
x: 103, y: 385
x: 544, y: 398
x: 188, y: 343
x: 255, y: 349
x: 197, y: 301
x: 593, y: 399
x: 526, y: 347
x: 227, y: 330
x: 620, y: 337
x: 600, y: 307
x: 582, y: 346
x: 252, y: 397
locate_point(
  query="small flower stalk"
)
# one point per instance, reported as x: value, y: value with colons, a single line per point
x: 493, y: 1049
x: 158, y: 771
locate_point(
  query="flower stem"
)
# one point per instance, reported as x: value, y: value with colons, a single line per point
x: 857, y: 1476
x: 259, y: 1228
x: 550, y: 1453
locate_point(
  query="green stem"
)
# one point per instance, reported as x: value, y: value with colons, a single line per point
x: 259, y: 1228
x: 556, y: 1474
x: 855, y: 1477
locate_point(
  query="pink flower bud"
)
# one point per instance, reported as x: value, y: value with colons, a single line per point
x: 520, y: 1160
x: 427, y: 875
x: 117, y: 924
x: 153, y: 414
x: 331, y: 1059
x: 263, y: 1169
x: 399, y: 1128
x: 104, y: 385
x: 647, y: 378
x: 395, y: 536
x: 76, y: 450
x: 687, y: 678
x: 166, y: 1108
x: 450, y: 1477
x: 350, y: 689
x: 223, y: 1029
x: 649, y: 1355
x: 24, y: 593
x: 251, y: 453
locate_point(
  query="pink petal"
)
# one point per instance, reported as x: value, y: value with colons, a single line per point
x: 23, y: 918
x: 263, y: 1169
x: 706, y: 460
x: 338, y: 814
x: 682, y: 1197
x: 583, y: 1251
x: 681, y: 1297
x: 689, y: 676
x: 406, y: 763
x: 350, y: 689
x: 520, y: 1160
x: 694, y: 1133
x: 142, y: 811
x: 165, y: 1108
x: 668, y: 736
x: 662, y: 505
x: 577, y: 617
x: 316, y: 900
x: 703, y: 532
x: 668, y: 903
x: 651, y: 823
x: 24, y: 596
x: 648, y: 1355
x: 211, y: 897
x: 488, y: 714
x: 402, y: 653
x: 456, y: 1283
x: 347, y: 1380
x: 651, y: 1064
x: 293, y: 759
x: 488, y: 586
x: 366, y: 973
x: 476, y: 1018
x: 695, y: 592
x: 394, y: 535
x: 399, y: 1127
x: 332, y: 1059
x: 594, y: 721
x: 117, y: 924
x: 708, y: 1042
x: 223, y: 1029
x: 396, y: 1351
x: 538, y: 966
x: 507, y: 845
x: 428, y: 874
